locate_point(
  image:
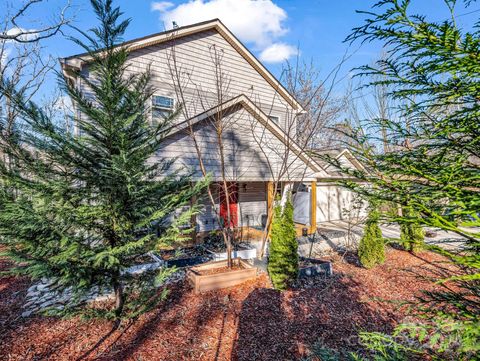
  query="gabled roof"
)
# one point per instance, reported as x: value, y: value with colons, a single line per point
x: 255, y: 111
x: 334, y: 173
x: 348, y: 154
x: 77, y: 61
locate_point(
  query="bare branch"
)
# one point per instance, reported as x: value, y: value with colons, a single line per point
x: 21, y: 34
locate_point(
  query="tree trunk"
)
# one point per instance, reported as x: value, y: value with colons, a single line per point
x: 270, y: 190
x: 228, y: 243
x: 229, y: 255
x: 119, y: 298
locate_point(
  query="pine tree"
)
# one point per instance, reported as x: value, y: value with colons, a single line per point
x: 283, y: 258
x: 432, y: 162
x: 79, y: 209
x: 371, y: 250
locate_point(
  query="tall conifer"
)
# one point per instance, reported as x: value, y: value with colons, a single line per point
x: 81, y: 208
x: 432, y: 70
x: 283, y: 258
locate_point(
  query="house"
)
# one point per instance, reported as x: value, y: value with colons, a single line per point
x: 237, y: 123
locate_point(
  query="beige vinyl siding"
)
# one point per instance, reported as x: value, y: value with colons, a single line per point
x: 194, y: 56
x: 344, y: 162
x: 251, y: 152
x: 207, y: 217
x: 196, y: 67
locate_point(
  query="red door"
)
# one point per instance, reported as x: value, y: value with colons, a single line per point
x: 233, y: 204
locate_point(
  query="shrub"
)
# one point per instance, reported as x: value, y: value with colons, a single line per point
x: 371, y: 249
x: 283, y: 259
x: 412, y: 235
x: 320, y: 351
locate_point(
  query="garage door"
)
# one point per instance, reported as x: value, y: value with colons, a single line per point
x: 335, y: 203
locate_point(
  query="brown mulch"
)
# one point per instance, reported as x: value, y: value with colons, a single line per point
x: 247, y: 322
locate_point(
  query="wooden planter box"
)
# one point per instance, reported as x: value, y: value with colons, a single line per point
x: 215, y: 281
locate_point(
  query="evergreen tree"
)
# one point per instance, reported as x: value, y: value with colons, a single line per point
x: 371, y: 250
x: 283, y: 258
x: 80, y: 209
x: 432, y: 69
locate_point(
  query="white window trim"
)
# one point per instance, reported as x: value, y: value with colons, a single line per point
x: 153, y: 107
x: 277, y: 121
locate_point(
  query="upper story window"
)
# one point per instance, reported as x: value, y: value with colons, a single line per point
x: 275, y: 118
x: 162, y: 107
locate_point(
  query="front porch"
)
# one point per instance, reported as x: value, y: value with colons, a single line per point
x: 256, y: 234
x: 250, y: 209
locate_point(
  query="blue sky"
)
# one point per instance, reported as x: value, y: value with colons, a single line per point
x: 272, y: 29
x: 317, y: 27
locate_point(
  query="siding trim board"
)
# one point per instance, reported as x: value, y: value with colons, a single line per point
x: 79, y: 60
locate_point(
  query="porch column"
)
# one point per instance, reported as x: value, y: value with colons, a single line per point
x: 313, y: 212
x: 270, y: 200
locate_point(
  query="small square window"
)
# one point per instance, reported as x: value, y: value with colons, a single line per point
x: 275, y: 118
x: 159, y: 101
x: 162, y: 106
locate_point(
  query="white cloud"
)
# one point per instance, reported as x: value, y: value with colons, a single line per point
x: 161, y: 6
x: 25, y: 34
x: 278, y: 52
x: 256, y: 22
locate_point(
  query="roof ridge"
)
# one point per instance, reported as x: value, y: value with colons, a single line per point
x: 164, y: 32
x: 77, y: 61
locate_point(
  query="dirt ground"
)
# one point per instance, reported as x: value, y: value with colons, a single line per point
x: 250, y: 322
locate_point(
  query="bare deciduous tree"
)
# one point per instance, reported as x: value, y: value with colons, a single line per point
x: 22, y: 24
x: 25, y: 66
x: 23, y: 62
x: 315, y: 127
x: 198, y: 98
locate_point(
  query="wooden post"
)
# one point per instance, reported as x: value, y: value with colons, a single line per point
x: 270, y: 200
x: 313, y: 213
x: 193, y: 221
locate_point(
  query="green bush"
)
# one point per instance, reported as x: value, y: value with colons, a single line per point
x: 283, y: 259
x: 371, y: 249
x: 320, y: 351
x: 412, y: 235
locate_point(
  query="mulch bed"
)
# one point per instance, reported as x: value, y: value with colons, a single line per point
x: 247, y: 322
